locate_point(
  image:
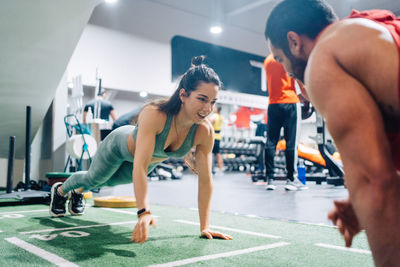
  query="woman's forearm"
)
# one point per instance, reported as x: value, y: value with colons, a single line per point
x: 140, y: 189
x: 204, y: 200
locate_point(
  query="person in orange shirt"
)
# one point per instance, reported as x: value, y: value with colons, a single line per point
x: 283, y: 111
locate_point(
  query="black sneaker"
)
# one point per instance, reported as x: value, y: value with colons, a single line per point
x: 57, y: 203
x: 76, y: 205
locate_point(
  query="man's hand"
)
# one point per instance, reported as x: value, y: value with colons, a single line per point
x: 211, y: 234
x: 141, y: 231
x: 343, y: 216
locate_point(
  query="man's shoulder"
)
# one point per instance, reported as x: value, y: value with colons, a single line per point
x: 106, y: 103
x: 351, y: 32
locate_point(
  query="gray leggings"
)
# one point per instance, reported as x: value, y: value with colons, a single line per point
x: 111, y: 165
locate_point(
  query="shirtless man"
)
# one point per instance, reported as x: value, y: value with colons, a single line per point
x: 351, y: 72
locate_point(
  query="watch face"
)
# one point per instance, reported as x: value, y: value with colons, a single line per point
x: 141, y: 211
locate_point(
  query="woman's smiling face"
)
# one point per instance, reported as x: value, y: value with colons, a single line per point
x: 200, y: 103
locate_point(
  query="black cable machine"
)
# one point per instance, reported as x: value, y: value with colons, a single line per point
x: 336, y: 172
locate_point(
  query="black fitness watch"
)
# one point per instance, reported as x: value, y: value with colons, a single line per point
x: 139, y: 212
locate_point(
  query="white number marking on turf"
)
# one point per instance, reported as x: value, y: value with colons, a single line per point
x: 74, y: 234
x: 66, y: 234
x: 357, y: 250
x: 44, y: 237
x: 232, y: 229
x: 77, y: 227
x: 221, y: 255
x: 41, y: 252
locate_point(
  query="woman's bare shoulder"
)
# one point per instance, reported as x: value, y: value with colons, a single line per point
x: 205, y: 132
x: 152, y: 117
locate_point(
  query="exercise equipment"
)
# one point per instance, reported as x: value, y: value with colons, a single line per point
x: 336, y: 172
x: 115, y: 202
x: 27, y: 195
x: 320, y: 165
x: 80, y: 145
x: 55, y: 177
x: 165, y: 171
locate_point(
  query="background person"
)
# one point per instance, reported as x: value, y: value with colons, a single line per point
x: 106, y: 109
x: 283, y: 112
x: 217, y: 121
x: 129, y: 118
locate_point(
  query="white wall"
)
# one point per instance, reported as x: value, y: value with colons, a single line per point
x: 125, y: 62
x: 19, y: 169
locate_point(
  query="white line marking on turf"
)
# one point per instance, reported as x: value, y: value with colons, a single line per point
x: 40, y: 252
x: 76, y: 227
x: 221, y: 255
x: 357, y: 250
x: 231, y: 229
x: 22, y: 211
x: 120, y: 211
x: 124, y: 211
x: 252, y: 216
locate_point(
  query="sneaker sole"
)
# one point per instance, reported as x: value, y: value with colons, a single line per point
x: 291, y: 189
x: 70, y: 210
x: 51, y: 202
x: 70, y: 207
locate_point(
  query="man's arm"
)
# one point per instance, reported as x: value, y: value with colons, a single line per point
x: 355, y: 123
x: 113, y: 115
x: 84, y: 117
x: 352, y: 117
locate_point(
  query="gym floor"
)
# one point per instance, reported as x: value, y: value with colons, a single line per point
x: 270, y: 228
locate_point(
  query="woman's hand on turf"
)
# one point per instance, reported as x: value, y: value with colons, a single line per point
x: 344, y: 217
x: 212, y: 234
x: 141, y: 231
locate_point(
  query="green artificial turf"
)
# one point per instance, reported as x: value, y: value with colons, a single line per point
x: 170, y: 241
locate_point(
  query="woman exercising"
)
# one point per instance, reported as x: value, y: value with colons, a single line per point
x: 165, y: 128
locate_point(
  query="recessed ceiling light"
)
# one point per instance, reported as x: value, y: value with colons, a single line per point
x: 216, y: 29
x: 111, y: 1
x: 143, y: 94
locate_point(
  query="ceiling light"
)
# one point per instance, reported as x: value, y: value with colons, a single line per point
x: 111, y: 1
x: 216, y: 29
x: 143, y: 94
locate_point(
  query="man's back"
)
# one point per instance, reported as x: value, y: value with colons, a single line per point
x: 105, y: 110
